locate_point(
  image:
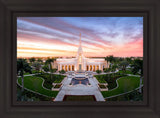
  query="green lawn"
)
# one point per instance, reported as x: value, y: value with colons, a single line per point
x: 127, y: 72
x: 33, y: 72
x: 132, y: 96
x: 30, y: 96
x: 27, y: 73
x: 126, y: 84
x: 51, y: 79
x: 110, y: 79
x: 35, y: 84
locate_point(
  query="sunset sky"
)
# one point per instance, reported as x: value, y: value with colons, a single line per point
x: 59, y: 36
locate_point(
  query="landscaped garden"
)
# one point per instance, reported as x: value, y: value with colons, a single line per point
x: 49, y: 79
x: 36, y: 84
x: 30, y: 96
x: 102, y: 86
x: 110, y: 79
x: 127, y: 72
x: 57, y: 85
x: 125, y: 84
x: 131, y: 96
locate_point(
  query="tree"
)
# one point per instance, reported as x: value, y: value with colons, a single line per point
x: 110, y: 58
x: 37, y: 66
x: 136, y: 67
x: 48, y: 61
x: 53, y: 70
x: 123, y: 65
x: 113, y: 69
x: 62, y: 72
x: 23, y: 66
x: 45, y: 68
x: 40, y: 60
x: 32, y: 59
x: 98, y: 71
x: 129, y: 59
x: 107, y: 70
x: 121, y: 59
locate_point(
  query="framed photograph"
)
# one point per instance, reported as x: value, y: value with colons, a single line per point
x: 76, y: 59
x: 55, y: 63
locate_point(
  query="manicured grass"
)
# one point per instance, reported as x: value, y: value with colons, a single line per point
x: 27, y: 73
x: 30, y: 96
x: 100, y: 78
x: 110, y: 79
x: 127, y: 72
x: 33, y: 72
x: 126, y: 84
x: 35, y: 84
x: 51, y: 79
x: 132, y: 96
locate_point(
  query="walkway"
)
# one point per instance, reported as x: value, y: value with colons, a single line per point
x: 79, y: 89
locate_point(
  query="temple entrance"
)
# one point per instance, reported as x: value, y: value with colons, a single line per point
x: 80, y: 67
x: 94, y: 67
x: 97, y: 68
x: 72, y: 68
x: 87, y: 68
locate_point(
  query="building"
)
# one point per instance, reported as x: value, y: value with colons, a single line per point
x: 80, y: 62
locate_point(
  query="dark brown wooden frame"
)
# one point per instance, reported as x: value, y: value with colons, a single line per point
x: 10, y: 9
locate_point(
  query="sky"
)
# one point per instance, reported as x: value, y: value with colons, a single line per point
x: 59, y: 36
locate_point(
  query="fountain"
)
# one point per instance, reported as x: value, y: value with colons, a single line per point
x: 80, y: 78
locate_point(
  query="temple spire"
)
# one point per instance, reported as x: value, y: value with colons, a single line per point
x: 80, y: 40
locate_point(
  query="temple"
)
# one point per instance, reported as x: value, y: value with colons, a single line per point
x: 80, y: 62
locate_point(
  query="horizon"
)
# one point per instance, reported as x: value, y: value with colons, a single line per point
x: 59, y: 36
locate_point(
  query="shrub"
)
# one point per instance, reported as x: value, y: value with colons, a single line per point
x: 45, y: 68
x: 48, y: 80
x: 109, y: 78
x: 53, y: 70
x: 98, y: 71
x: 62, y: 71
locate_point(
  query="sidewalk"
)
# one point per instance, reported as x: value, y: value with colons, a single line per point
x: 79, y: 89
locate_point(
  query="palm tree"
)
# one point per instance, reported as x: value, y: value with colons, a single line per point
x: 23, y: 66
x: 40, y: 60
x: 114, y: 67
x: 136, y: 67
x: 110, y: 58
x: 32, y: 59
x: 48, y: 61
x: 37, y: 66
x: 45, y: 68
x: 123, y: 65
x: 129, y: 60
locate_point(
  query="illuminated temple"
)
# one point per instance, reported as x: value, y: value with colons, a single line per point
x: 80, y: 62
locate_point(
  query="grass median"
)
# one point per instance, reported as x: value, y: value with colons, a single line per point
x: 125, y: 84
x: 35, y: 84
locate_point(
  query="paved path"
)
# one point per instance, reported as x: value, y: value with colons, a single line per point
x: 29, y: 75
x: 79, y: 89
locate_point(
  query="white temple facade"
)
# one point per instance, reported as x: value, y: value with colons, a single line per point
x: 80, y: 62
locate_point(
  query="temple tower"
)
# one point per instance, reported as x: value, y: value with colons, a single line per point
x: 80, y: 56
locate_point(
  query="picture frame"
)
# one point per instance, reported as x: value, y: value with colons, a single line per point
x: 9, y: 10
